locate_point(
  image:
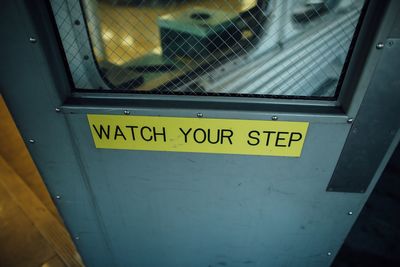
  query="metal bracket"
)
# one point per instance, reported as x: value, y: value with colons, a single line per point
x: 374, y: 128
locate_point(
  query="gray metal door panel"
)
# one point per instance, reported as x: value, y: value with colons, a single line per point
x: 136, y: 208
x: 194, y: 209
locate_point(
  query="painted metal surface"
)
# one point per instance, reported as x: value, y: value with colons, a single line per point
x: 175, y: 209
x: 376, y: 125
x: 203, y: 210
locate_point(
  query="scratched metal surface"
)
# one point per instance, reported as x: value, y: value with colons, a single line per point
x: 171, y: 209
x: 194, y: 209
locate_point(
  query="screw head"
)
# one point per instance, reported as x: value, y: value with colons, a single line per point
x: 329, y: 253
x: 350, y: 120
x: 380, y: 45
x: 127, y: 112
x: 31, y: 141
x: 199, y: 115
x: 58, y: 197
x: 350, y: 213
x: 274, y: 118
x: 32, y: 40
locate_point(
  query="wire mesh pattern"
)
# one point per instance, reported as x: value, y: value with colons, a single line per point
x: 229, y: 47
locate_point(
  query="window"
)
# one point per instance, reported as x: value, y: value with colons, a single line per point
x: 210, y: 47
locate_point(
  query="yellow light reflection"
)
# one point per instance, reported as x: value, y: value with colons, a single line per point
x: 130, y: 31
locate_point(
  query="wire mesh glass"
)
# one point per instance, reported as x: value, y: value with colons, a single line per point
x: 228, y: 47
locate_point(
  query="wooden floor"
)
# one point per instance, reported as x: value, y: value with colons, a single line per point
x: 31, y: 231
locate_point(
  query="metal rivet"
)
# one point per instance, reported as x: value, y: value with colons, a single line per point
x: 32, y: 40
x: 77, y: 22
x: 199, y: 115
x: 329, y: 253
x: 380, y: 45
x: 31, y: 141
x: 350, y: 120
x: 127, y: 112
x: 350, y: 213
x: 76, y: 237
x: 58, y: 197
x: 274, y: 118
x: 57, y: 109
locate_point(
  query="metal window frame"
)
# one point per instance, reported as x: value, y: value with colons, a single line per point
x: 91, y: 71
x: 356, y: 78
x: 75, y: 30
x: 78, y: 101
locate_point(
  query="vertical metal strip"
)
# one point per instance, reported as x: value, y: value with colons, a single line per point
x: 374, y: 128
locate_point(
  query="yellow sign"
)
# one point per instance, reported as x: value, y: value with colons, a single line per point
x: 224, y: 136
